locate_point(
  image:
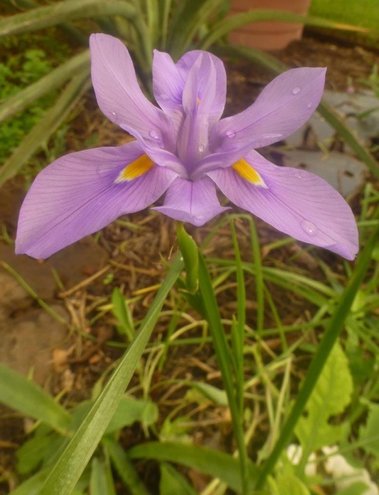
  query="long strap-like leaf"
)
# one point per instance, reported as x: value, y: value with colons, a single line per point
x: 55, y: 79
x: 61, y: 12
x: 70, y: 465
x: 48, y: 124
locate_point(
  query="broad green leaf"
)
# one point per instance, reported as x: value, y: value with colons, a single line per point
x: 72, y: 462
x: 42, y: 131
x: 369, y: 433
x: 330, y: 397
x: 287, y: 484
x: 124, y: 467
x: 59, y: 12
x: 46, y: 84
x: 207, y: 461
x: 173, y: 483
x: 30, y: 399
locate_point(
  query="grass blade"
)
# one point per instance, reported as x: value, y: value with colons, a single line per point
x: 124, y: 467
x: 238, y: 327
x: 333, y: 330
x: 70, y: 465
x: 56, y: 78
x: 28, y: 398
x: 208, y: 461
x: 59, y: 12
x: 45, y: 127
x: 189, y: 17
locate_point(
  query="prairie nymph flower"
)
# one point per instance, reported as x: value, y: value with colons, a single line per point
x: 184, y: 150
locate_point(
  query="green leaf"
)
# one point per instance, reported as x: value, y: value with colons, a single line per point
x: 190, y: 253
x: 31, y: 400
x: 287, y: 484
x: 55, y: 79
x: 130, y: 411
x: 59, y: 12
x: 223, y: 355
x: 42, y: 131
x: 208, y: 461
x: 32, y: 452
x: 71, y: 463
x: 100, y: 482
x: 189, y: 17
x: 333, y: 330
x: 173, y: 483
x: 357, y: 488
x: 122, y: 312
x: 212, y: 393
x: 369, y: 434
x: 124, y: 467
x: 31, y: 486
x: 330, y: 397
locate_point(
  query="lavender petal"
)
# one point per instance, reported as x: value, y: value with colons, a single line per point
x: 295, y: 202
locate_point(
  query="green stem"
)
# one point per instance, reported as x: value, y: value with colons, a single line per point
x: 223, y: 357
x: 332, y: 333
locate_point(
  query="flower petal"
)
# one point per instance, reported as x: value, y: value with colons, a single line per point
x: 202, y: 106
x: 205, y: 83
x: 193, y: 202
x: 295, y: 202
x: 168, y: 82
x: 80, y: 193
x: 117, y: 91
x: 283, y: 106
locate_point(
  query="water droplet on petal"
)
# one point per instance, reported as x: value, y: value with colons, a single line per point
x: 114, y: 114
x: 154, y: 134
x: 201, y: 148
x: 300, y: 174
x: 309, y: 105
x: 271, y: 135
x: 296, y: 90
x: 230, y: 134
x: 309, y: 228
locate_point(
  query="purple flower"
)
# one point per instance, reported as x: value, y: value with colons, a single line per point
x: 183, y: 149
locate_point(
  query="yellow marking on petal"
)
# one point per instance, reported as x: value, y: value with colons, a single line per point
x: 135, y: 169
x: 247, y: 172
